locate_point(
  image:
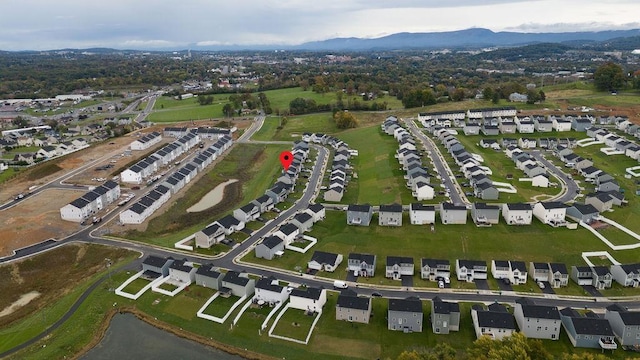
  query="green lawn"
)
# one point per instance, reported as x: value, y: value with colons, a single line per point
x: 187, y: 113
x: 536, y: 242
x: 136, y: 285
x: 220, y: 306
x: 281, y: 98
x: 379, y: 175
x: 294, y: 324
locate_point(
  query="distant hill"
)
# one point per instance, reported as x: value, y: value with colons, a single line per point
x: 470, y: 38
x: 534, y: 51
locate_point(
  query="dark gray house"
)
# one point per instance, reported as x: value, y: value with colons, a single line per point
x: 352, y: 308
x: 582, y: 212
x: 390, y: 215
x: 537, y: 321
x: 588, y: 330
x: 237, y: 284
x: 359, y: 214
x: 445, y: 316
x: 494, y: 321
x: 405, y: 315
x: 486, y: 191
x: 270, y: 247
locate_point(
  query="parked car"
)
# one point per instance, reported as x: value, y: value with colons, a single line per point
x: 441, y: 284
x: 375, y: 294
x: 540, y: 284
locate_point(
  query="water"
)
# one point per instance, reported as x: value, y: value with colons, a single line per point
x: 131, y: 338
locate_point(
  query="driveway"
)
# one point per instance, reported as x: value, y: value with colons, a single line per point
x: 407, y: 281
x: 504, y: 286
x: 547, y: 288
x: 482, y: 285
x: 247, y: 231
x: 351, y: 276
x: 592, y: 290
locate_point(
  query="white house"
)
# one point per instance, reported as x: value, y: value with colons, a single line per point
x: 517, y: 213
x: 270, y: 291
x: 288, y: 232
x: 420, y: 214
x: 309, y: 299
x: 552, y: 213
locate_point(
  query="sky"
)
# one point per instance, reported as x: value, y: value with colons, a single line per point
x: 162, y: 24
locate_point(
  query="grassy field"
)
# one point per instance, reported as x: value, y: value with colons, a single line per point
x: 294, y: 324
x: 256, y: 166
x: 187, y: 113
x: 536, y: 242
x: 379, y: 175
x: 221, y: 305
x: 281, y: 98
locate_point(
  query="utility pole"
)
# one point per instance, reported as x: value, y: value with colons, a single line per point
x: 108, y: 261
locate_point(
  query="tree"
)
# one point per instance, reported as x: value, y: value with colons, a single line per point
x: 418, y: 98
x: 514, y: 347
x: 609, y: 77
x: 345, y: 120
x: 495, y: 98
x: 205, y: 100
x: 227, y: 110
x: 487, y: 93
x: 458, y: 94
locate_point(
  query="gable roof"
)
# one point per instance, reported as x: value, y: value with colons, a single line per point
x: 208, y: 271
x: 272, y: 241
x: 359, y: 208
x: 367, y: 258
x: 540, y: 312
x: 410, y: 304
x: 397, y: 260
x: 395, y: 208
x: 353, y: 302
x: 308, y: 293
x: 322, y: 257
x: 235, y: 278
x: 444, y: 307
x: 267, y: 284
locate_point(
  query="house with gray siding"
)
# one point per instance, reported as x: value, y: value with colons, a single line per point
x: 210, y: 235
x: 558, y: 276
x: 539, y: 271
x: 270, y: 291
x: 494, y: 321
x: 182, y: 271
x: 625, y: 324
x: 352, y: 308
x: 304, y: 221
x: 270, y: 247
x: 483, y: 214
x: 238, y: 284
x: 432, y: 269
x: 155, y: 266
x: 445, y: 316
x: 390, y: 215
x: 359, y: 214
x: 208, y: 276
x: 453, y: 214
x: 326, y: 261
x: 405, y: 315
x: 361, y: 264
x: 486, y: 191
x: 582, y: 212
x: 626, y: 274
x: 537, y: 321
x: 588, y: 330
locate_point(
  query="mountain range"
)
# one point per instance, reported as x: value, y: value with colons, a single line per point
x: 469, y: 38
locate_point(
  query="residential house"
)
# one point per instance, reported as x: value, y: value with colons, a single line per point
x: 230, y: 224
x: 264, y: 203
x: 625, y: 325
x: 600, y: 201
x: 316, y: 211
x: 486, y: 191
x: 269, y: 291
x: 588, y: 331
x: 270, y: 247
x: 247, y: 213
x: 484, y: 214
x: 552, y: 213
x: 470, y: 270
x: 361, y: 264
x: 310, y: 299
x: 399, y: 266
x: 434, y: 269
x: 405, y: 315
x: 539, y: 271
x: 540, y: 180
x: 303, y: 220
x: 582, y: 275
x: 580, y: 124
x: 237, y: 284
x: 558, y: 276
x: 359, y: 214
x: 453, y: 214
x: 390, y: 215
x: 182, y: 271
x: 421, y: 190
x: 288, y: 233
x: 155, y: 266
x: 321, y: 260
x: 210, y: 235
x: 517, y: 213
x: 445, y: 316
x: 585, y: 213
x: 626, y: 274
x: 208, y: 276
x: 420, y: 214
x: 334, y: 194
x: 352, y: 308
x: 537, y: 321
x: 494, y: 321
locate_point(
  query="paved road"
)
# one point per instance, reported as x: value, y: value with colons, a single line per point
x: 569, y: 185
x: 441, y: 166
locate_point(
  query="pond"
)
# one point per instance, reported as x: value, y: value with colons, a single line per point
x: 131, y: 338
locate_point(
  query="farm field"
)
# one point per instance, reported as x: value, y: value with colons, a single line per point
x: 281, y: 98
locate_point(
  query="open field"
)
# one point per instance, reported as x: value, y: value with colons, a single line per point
x: 36, y: 219
x: 379, y: 175
x: 536, y: 242
x: 281, y: 98
x: 175, y: 222
x: 183, y: 113
x: 53, y: 275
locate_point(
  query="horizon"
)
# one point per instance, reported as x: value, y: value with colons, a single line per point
x: 38, y: 25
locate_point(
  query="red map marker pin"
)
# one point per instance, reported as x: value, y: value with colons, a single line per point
x: 286, y: 158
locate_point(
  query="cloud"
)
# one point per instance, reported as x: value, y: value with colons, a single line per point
x: 573, y: 27
x: 149, y: 43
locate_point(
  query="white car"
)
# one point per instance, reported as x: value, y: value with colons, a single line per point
x: 441, y: 284
x: 540, y: 284
x: 447, y: 280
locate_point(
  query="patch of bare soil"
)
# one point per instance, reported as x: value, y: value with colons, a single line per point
x: 35, y: 219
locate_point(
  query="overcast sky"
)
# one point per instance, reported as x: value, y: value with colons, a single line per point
x: 149, y: 24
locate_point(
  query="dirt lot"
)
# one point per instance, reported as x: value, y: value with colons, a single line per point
x: 36, y: 219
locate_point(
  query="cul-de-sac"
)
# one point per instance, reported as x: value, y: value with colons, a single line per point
x: 423, y: 201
